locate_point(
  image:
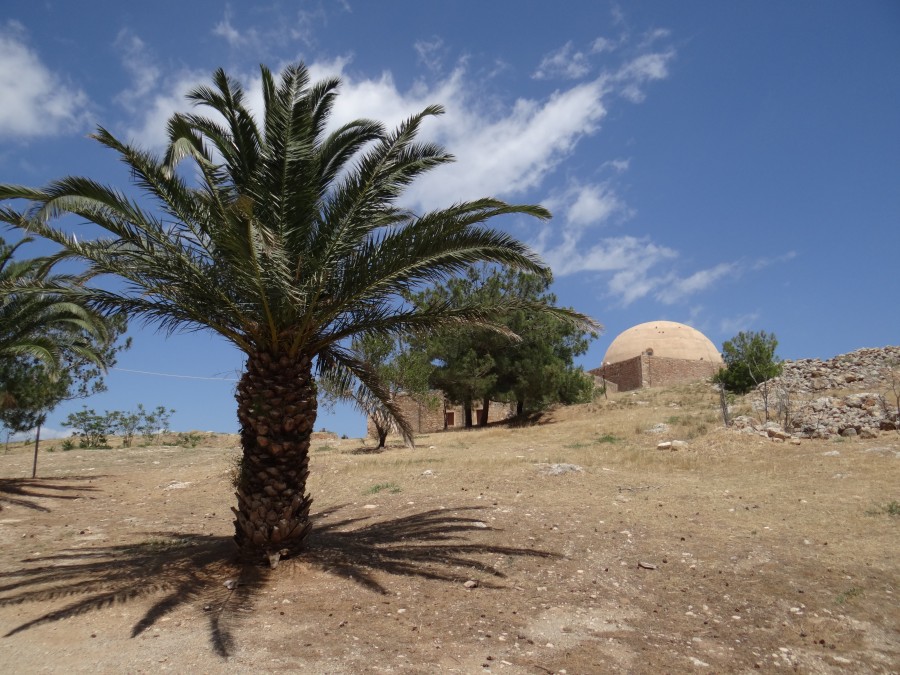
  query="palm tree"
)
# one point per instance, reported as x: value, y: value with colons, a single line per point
x: 38, y: 320
x: 289, y: 244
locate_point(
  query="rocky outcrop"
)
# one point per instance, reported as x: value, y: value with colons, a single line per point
x: 865, y: 414
x: 863, y: 369
x: 871, y: 373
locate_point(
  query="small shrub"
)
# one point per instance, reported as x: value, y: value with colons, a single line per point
x: 608, y: 438
x: 393, y: 488
x: 892, y: 508
x: 68, y: 444
x: 189, y: 439
x: 849, y: 594
x: 236, y: 470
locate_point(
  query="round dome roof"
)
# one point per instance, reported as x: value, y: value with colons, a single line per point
x: 662, y: 338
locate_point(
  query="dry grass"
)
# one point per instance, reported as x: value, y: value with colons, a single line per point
x: 735, y: 552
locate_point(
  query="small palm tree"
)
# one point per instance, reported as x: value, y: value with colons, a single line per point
x: 38, y: 320
x: 290, y: 244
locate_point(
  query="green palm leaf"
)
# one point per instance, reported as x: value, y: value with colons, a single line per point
x: 291, y: 242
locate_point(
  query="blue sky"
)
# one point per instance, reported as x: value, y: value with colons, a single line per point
x: 731, y: 166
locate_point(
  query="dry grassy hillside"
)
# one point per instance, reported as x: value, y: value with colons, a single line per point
x: 571, y: 544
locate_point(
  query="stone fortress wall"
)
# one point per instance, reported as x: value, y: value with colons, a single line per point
x: 652, y: 371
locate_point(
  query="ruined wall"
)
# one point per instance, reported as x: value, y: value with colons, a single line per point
x: 659, y: 371
x: 625, y: 374
x: 426, y: 419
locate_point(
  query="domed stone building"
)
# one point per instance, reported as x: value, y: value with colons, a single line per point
x: 658, y: 354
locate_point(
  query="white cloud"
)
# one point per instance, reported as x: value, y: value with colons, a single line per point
x: 229, y: 33
x: 564, y: 63
x: 639, y: 71
x: 618, y: 165
x: 586, y: 204
x: 677, y: 289
x: 762, y: 263
x: 152, y: 96
x: 35, y: 101
x: 140, y: 65
x: 47, y: 434
x: 431, y: 53
x: 631, y: 258
x: 602, y: 44
x: 150, y: 130
x: 734, y: 325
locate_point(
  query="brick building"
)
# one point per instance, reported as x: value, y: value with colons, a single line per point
x: 657, y: 354
x: 438, y: 415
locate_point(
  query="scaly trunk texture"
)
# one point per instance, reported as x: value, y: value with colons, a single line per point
x: 276, y: 410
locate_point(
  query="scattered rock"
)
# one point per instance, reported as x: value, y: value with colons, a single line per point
x: 177, y: 485
x: 646, y: 565
x: 660, y: 428
x: 559, y: 469
x: 471, y: 583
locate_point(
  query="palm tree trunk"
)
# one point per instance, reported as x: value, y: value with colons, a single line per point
x: 276, y: 410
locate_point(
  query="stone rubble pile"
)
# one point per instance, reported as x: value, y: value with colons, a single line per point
x: 865, y: 414
x: 862, y: 369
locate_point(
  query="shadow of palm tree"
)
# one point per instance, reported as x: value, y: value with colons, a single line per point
x: 203, y: 570
x: 23, y: 491
x: 431, y: 544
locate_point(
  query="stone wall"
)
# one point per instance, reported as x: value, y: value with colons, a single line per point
x: 625, y: 374
x: 660, y: 371
x: 654, y: 371
x: 426, y: 418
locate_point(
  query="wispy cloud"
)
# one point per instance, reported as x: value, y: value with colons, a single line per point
x: 565, y: 63
x: 736, y: 324
x: 431, y: 53
x: 35, y: 101
x: 677, y: 289
x: 634, y: 75
x: 225, y: 30
x: 586, y: 204
x: 152, y: 96
x: 762, y: 263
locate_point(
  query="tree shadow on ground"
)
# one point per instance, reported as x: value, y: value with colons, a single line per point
x: 527, y: 419
x: 202, y: 570
x: 24, y: 491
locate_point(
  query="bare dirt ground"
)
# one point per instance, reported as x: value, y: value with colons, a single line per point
x: 473, y: 552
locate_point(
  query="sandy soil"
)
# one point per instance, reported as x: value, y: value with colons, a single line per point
x: 474, y: 552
